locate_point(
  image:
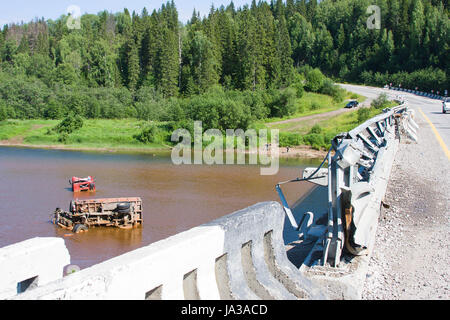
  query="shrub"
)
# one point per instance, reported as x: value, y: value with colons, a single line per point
x: 315, y: 140
x: 149, y: 134
x: 3, y: 113
x: 328, y: 137
x: 53, y: 110
x: 314, y: 80
x: 63, y: 138
x: 69, y: 124
x: 173, y: 111
x: 363, y: 115
x: 297, y: 84
x: 257, y: 102
x: 288, y: 139
x: 316, y: 129
x: 327, y: 87
x: 218, y: 111
x: 425, y: 79
x: 314, y: 106
x: 283, y: 102
x: 336, y: 92
x: 381, y: 102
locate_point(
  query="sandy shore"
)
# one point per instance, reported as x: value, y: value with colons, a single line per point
x: 303, y: 152
x: 294, y: 152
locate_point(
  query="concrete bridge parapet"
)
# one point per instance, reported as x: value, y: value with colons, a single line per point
x: 240, y: 256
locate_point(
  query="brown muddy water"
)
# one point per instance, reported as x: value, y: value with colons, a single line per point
x: 34, y: 182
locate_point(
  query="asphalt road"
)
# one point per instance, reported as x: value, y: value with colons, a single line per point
x: 411, y: 254
x: 431, y: 108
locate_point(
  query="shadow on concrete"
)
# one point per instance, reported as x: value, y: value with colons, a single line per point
x: 316, y: 201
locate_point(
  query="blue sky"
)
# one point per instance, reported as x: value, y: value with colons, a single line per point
x: 27, y: 10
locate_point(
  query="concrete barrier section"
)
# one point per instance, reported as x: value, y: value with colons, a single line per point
x: 257, y: 264
x: 182, y: 265
x: 240, y: 256
x: 31, y: 264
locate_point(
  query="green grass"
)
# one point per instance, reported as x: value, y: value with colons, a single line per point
x: 95, y: 134
x: 344, y: 122
x: 349, y: 121
x: 328, y: 129
x: 315, y: 103
x: 119, y: 134
x: 18, y: 128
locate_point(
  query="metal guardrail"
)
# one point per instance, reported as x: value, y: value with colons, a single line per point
x: 349, y: 175
x: 349, y: 178
x: 431, y: 95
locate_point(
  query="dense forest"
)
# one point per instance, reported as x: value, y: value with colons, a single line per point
x: 227, y: 68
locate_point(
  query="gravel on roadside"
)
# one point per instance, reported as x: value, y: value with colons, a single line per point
x: 411, y: 257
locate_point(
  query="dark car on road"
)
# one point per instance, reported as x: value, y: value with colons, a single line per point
x: 352, y: 104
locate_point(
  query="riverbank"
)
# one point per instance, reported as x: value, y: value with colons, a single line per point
x: 115, y: 136
x: 132, y: 135
x: 305, y: 152
x: 120, y: 135
x: 75, y: 148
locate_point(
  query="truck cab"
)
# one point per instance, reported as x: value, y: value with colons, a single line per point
x: 82, y: 184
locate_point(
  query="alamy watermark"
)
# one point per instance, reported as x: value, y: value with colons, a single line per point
x: 374, y: 21
x: 260, y: 150
x: 74, y: 20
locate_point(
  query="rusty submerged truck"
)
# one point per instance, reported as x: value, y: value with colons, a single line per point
x: 124, y: 213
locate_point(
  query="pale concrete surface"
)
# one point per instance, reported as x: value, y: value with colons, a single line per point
x: 134, y: 275
x: 240, y: 256
x: 39, y: 260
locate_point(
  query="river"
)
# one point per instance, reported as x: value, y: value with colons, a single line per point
x: 34, y: 182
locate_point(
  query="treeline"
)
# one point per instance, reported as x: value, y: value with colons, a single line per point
x: 148, y: 65
x: 425, y: 80
x: 30, y: 98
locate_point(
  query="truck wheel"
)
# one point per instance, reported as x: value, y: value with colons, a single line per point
x: 123, y: 206
x: 72, y: 207
x: 80, y: 228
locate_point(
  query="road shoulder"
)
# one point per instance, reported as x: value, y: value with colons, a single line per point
x: 411, y: 254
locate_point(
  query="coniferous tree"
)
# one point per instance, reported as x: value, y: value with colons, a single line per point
x: 133, y: 69
x: 168, y: 62
x: 284, y: 52
x: 255, y: 47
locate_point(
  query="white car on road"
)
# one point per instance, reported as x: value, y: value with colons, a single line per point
x: 446, y: 105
